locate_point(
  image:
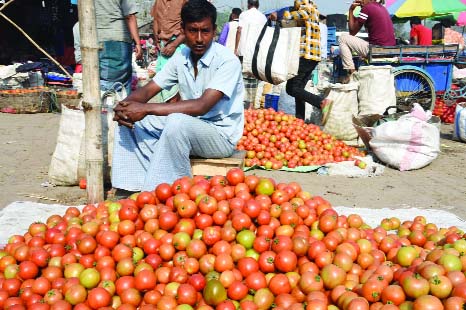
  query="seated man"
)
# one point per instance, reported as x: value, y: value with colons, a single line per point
x: 155, y: 140
x: 378, y: 24
x: 420, y: 34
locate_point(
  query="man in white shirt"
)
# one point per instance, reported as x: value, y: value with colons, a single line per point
x: 252, y: 16
x: 323, y: 37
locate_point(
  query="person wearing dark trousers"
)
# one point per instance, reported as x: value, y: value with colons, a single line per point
x: 295, y: 87
x: 307, y: 15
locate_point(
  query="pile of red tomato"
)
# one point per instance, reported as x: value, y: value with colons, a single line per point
x: 230, y: 242
x: 444, y: 111
x: 275, y: 139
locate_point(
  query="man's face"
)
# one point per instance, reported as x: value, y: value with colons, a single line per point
x: 199, y: 35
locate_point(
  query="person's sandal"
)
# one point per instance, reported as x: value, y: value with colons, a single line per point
x: 326, y: 107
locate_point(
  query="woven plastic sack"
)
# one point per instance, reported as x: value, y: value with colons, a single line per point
x: 459, y: 131
x: 271, y: 54
x: 68, y: 164
x: 409, y: 143
x: 376, y: 89
x: 339, y: 122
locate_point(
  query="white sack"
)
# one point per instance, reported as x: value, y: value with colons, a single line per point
x: 459, y: 132
x: 408, y: 143
x: 68, y: 164
x: 345, y: 104
x: 376, y: 89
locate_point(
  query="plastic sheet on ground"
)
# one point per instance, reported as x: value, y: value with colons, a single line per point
x: 303, y: 169
x: 348, y: 169
x: 344, y: 168
x: 373, y: 217
x: 17, y: 216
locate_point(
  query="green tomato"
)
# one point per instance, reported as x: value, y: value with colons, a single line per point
x: 252, y: 253
x: 460, y: 246
x: 450, y: 262
x: 214, y: 293
x: 265, y: 187
x: 11, y: 271
x: 89, y: 278
x: 114, y: 207
x: 246, y: 238
x: 197, y: 234
x: 73, y: 270
x: 138, y: 254
x: 212, y: 275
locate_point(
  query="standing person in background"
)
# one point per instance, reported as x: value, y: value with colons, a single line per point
x: 116, y: 28
x: 323, y: 36
x: 228, y: 35
x: 252, y: 16
x: 168, y: 37
x: 420, y: 34
x: 305, y: 12
x: 77, y: 48
x: 375, y: 17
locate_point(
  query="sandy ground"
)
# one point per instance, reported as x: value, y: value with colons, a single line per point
x: 28, y: 142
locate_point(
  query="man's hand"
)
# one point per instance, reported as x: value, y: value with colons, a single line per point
x: 138, y: 51
x: 156, y: 42
x: 168, y: 50
x: 355, y: 4
x: 129, y: 112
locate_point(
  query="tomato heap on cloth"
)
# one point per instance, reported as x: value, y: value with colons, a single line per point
x: 230, y: 242
x: 275, y: 139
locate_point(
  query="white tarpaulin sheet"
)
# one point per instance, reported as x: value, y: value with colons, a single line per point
x: 17, y: 216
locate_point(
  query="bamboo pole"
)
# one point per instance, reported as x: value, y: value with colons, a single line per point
x: 6, y: 4
x: 33, y: 42
x: 91, y: 101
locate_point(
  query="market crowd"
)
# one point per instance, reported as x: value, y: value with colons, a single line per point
x: 202, y: 89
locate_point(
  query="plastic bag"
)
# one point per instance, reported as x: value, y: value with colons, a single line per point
x: 271, y: 54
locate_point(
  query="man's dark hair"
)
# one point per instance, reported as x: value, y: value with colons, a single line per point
x: 253, y: 3
x: 415, y: 21
x: 236, y: 11
x: 197, y: 10
x: 447, y: 23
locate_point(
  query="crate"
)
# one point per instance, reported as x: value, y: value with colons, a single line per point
x: 25, y: 103
x: 217, y: 166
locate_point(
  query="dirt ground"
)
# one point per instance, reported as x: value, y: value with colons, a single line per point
x: 28, y: 142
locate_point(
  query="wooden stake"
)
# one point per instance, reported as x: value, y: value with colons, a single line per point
x: 33, y: 42
x: 6, y: 4
x: 91, y: 101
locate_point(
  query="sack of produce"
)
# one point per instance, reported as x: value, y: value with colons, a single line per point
x: 459, y: 132
x: 339, y: 119
x: 409, y: 143
x: 271, y: 54
x: 376, y: 89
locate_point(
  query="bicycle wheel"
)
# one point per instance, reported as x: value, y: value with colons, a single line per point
x: 412, y: 86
